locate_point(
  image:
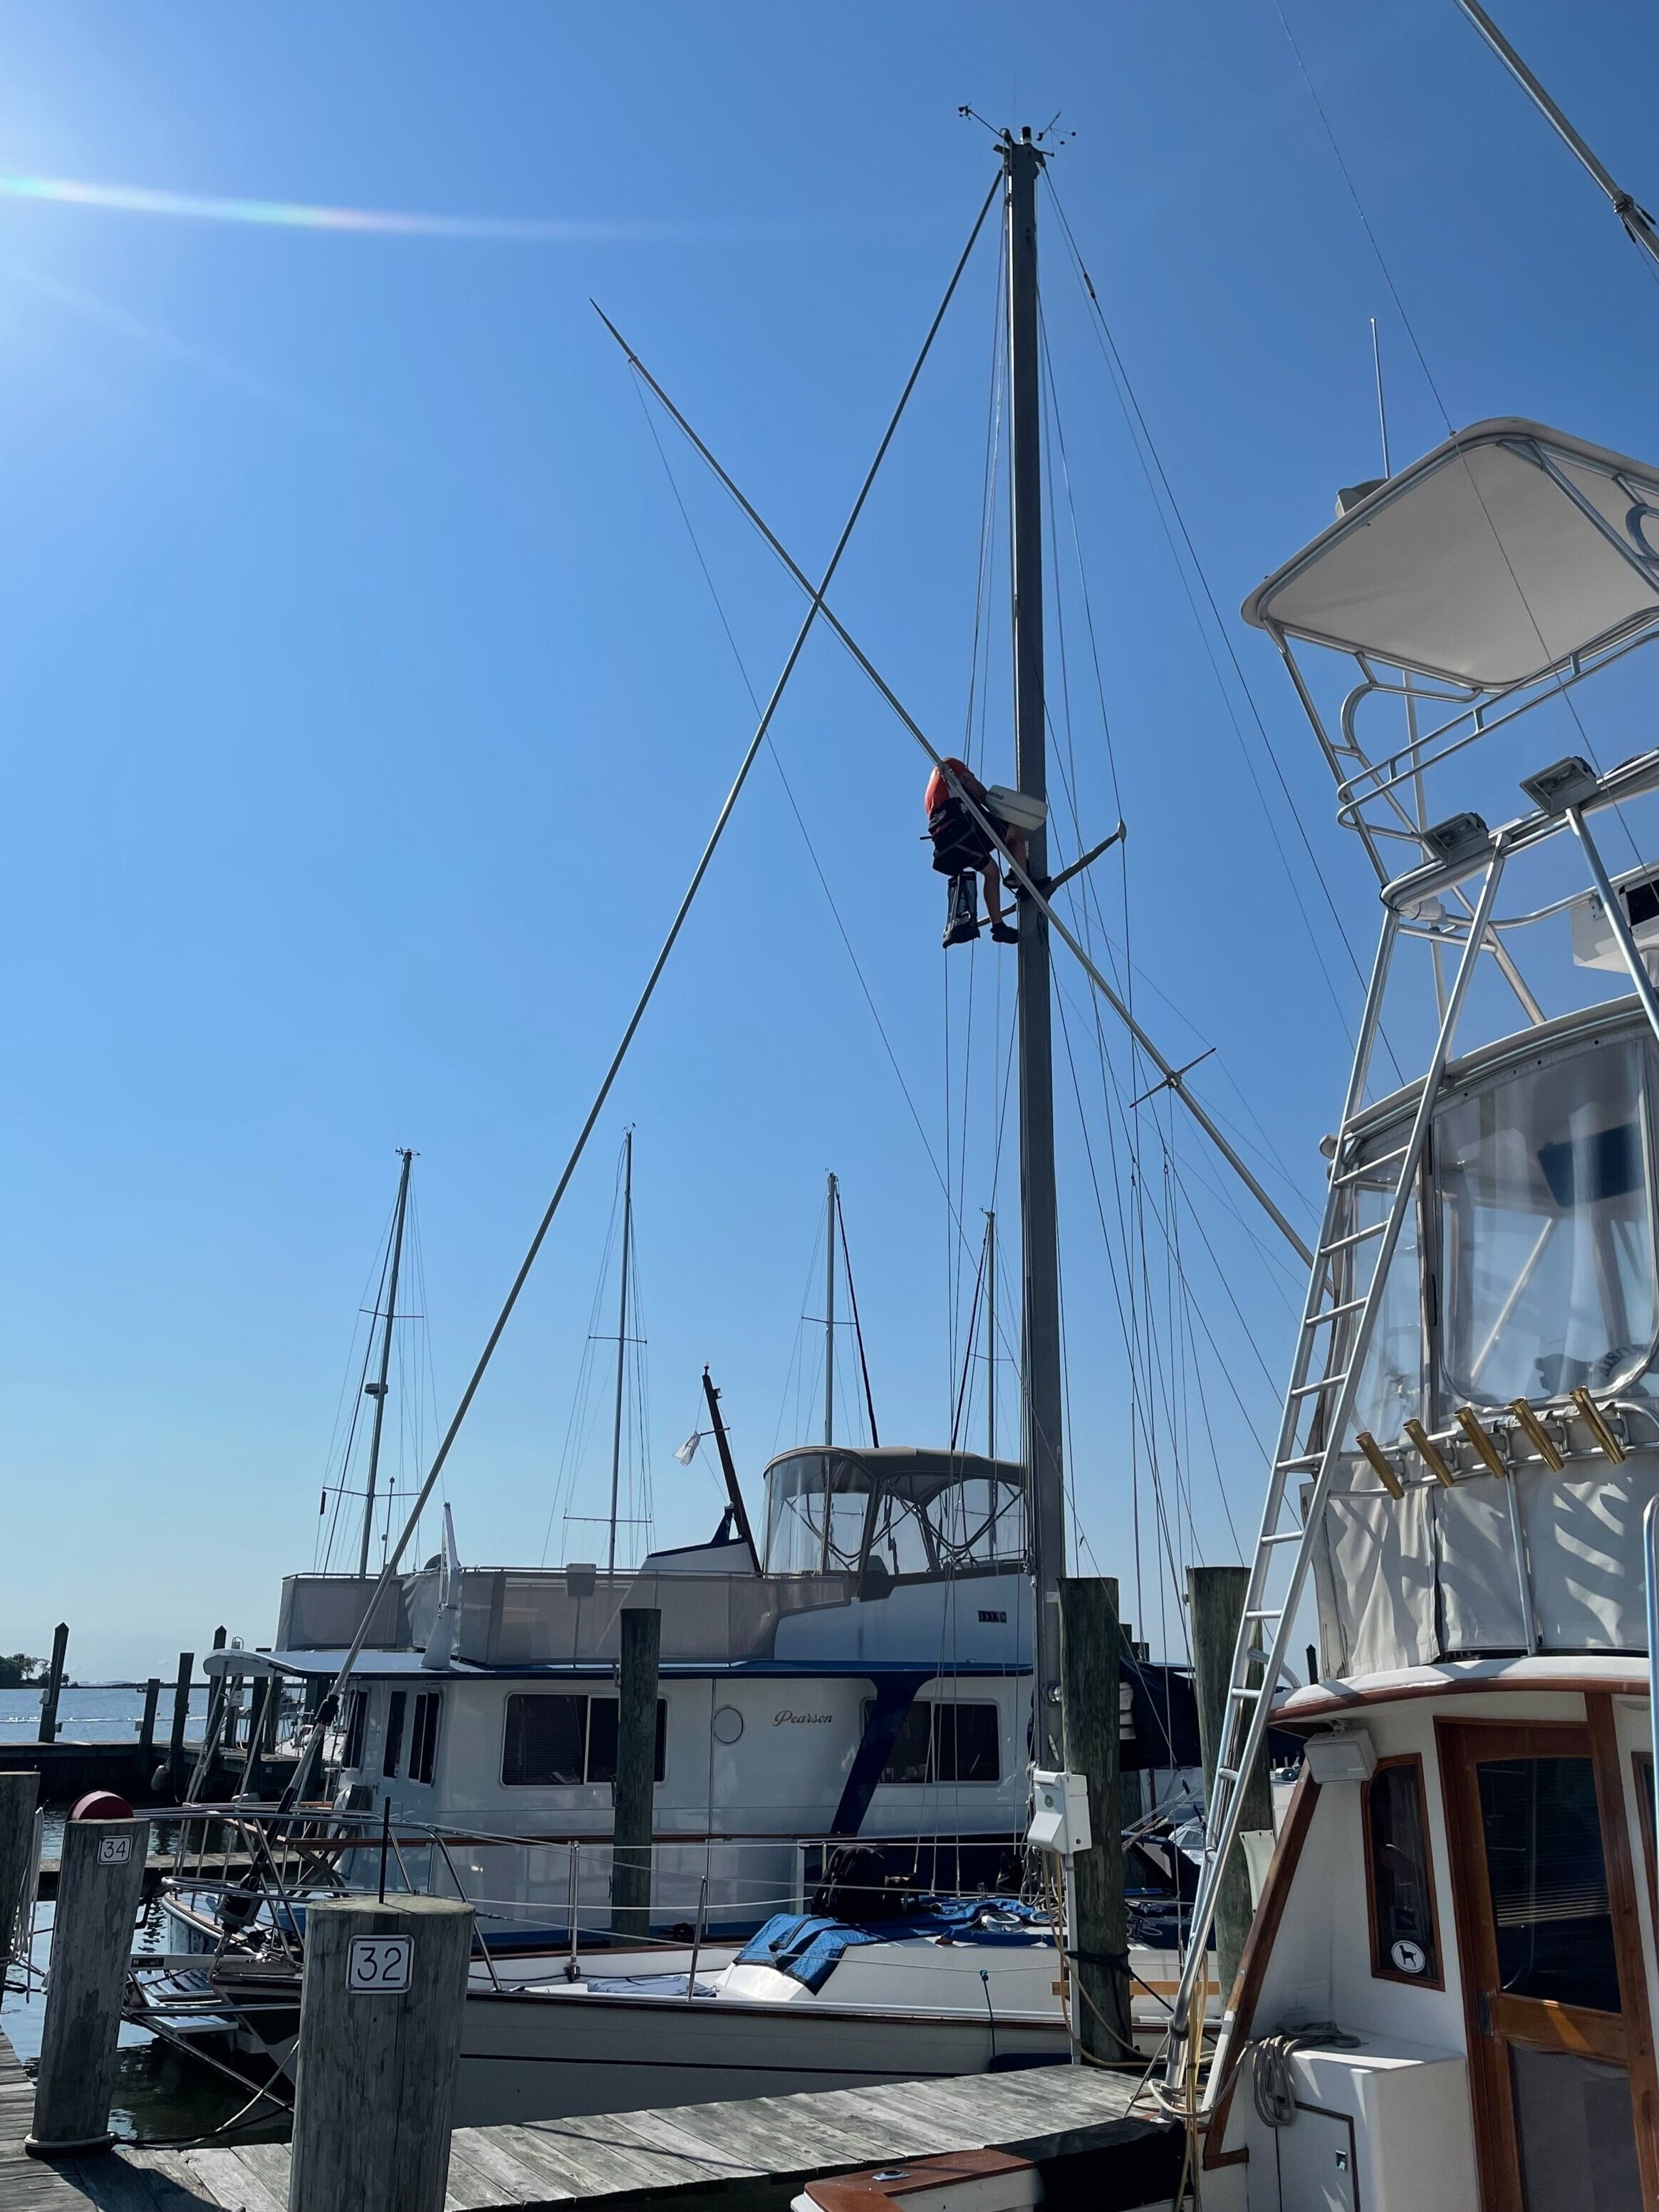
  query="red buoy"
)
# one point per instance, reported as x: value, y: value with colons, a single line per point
x: 100, y: 1805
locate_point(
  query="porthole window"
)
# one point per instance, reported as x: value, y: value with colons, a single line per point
x: 1400, y: 1876
x: 728, y: 1724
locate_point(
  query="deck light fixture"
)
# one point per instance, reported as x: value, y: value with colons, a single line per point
x: 1565, y: 783
x: 1469, y: 1421
x: 1537, y: 1435
x: 1429, y: 1452
x: 1381, y: 1465
x: 1459, y: 837
x: 1590, y: 1413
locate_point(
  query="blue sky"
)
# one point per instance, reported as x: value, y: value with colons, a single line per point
x: 363, y: 706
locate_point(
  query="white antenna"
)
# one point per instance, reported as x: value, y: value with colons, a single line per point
x: 1382, y: 410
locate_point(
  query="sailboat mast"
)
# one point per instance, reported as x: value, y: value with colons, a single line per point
x: 622, y: 1340
x: 991, y: 1337
x: 829, y: 1314
x: 1039, y: 1224
x: 378, y: 1389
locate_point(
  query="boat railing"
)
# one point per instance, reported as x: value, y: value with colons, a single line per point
x: 250, y: 1873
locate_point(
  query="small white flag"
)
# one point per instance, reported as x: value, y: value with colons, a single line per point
x: 688, y: 1450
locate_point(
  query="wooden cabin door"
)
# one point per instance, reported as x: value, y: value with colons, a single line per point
x: 1560, y: 2055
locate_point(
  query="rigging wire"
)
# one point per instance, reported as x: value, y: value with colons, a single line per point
x: 858, y: 1327
x: 1173, y: 1387
x: 1381, y: 258
x: 1167, y: 508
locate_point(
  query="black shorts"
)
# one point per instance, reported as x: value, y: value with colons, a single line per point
x: 959, y: 843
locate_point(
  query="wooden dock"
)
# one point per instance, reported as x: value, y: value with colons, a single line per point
x: 747, y: 2157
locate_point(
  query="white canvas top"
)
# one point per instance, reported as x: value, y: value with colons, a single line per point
x: 1475, y: 564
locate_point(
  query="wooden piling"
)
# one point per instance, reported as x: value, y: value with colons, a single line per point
x: 1216, y: 1596
x: 17, y: 1795
x: 54, y: 1684
x: 180, y: 1715
x: 147, y: 1726
x: 100, y: 1883
x: 380, y: 2045
x: 634, y: 1790
x: 1090, y: 1640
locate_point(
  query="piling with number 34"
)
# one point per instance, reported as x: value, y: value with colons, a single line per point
x: 380, y: 2041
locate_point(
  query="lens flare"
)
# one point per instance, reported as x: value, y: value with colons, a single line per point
x: 300, y: 214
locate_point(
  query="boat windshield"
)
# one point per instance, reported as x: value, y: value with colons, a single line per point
x: 911, y: 1513
x: 1546, y: 1237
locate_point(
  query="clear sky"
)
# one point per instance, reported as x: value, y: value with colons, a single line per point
x: 363, y: 706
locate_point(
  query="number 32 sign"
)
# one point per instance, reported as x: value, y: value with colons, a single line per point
x: 379, y: 1965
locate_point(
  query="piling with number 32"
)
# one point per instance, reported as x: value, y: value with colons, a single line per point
x: 380, y: 2041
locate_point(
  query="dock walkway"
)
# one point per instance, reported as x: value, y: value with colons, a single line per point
x: 742, y: 2157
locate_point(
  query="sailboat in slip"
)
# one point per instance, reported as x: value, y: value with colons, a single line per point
x: 852, y: 1690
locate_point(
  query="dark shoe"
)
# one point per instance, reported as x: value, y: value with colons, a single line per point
x: 1001, y: 934
x: 963, y: 931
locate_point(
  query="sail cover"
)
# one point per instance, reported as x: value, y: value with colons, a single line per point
x: 1476, y: 564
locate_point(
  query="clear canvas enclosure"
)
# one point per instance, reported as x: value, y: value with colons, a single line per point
x: 893, y: 1510
x: 1547, y: 1238
x: 1538, y: 1184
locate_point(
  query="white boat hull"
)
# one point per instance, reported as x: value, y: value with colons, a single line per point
x: 534, y: 2055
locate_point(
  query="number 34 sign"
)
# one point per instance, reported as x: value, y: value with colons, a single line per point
x: 379, y: 1965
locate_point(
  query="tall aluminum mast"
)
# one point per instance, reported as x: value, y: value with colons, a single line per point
x: 829, y: 1204
x: 377, y: 1389
x: 622, y: 1340
x: 991, y: 1338
x: 1022, y: 162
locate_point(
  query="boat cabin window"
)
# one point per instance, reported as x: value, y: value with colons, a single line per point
x: 1405, y: 1945
x: 562, y: 1741
x: 394, y: 1732
x: 357, y: 1727
x: 830, y: 1512
x: 423, y: 1738
x: 1542, y: 1832
x: 940, y: 1742
x: 1546, y: 1241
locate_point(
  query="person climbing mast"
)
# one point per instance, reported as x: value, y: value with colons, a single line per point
x: 962, y: 850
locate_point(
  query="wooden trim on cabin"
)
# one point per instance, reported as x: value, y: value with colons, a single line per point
x: 1641, y: 1767
x: 1382, y: 1970
x: 1627, y: 1941
x: 1258, y: 1948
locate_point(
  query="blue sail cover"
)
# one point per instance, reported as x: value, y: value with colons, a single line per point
x: 808, y: 1948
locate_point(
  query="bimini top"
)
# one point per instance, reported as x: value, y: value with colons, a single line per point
x: 1496, y: 555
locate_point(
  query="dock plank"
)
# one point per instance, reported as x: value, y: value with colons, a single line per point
x: 744, y: 2152
x: 693, y: 2158
x: 225, y: 2178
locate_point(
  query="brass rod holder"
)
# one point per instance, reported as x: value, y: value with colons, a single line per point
x: 1537, y: 1435
x: 1429, y: 1452
x: 1469, y: 1421
x: 1590, y: 1413
x: 1381, y: 1465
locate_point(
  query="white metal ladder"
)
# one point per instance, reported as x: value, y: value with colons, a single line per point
x: 1330, y: 1358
